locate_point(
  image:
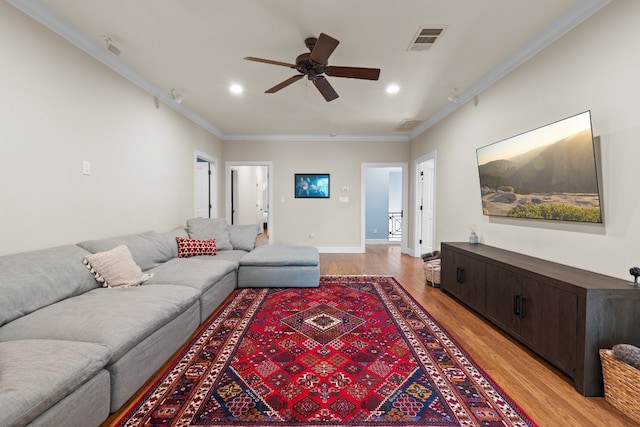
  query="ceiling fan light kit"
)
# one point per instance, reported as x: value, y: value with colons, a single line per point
x: 314, y: 64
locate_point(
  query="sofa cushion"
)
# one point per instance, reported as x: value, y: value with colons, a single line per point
x: 166, y: 245
x: 115, y: 268
x: 47, y: 371
x: 118, y: 317
x: 32, y: 280
x: 198, y: 272
x: 281, y: 256
x: 88, y: 405
x: 210, y: 228
x: 194, y: 247
x: 234, y: 256
x: 243, y: 237
x: 148, y: 249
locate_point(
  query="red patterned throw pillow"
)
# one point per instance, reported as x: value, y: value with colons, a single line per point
x: 192, y: 247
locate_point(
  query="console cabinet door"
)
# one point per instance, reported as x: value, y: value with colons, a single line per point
x: 503, y: 290
x: 540, y: 316
x: 464, y: 277
x: 549, y: 323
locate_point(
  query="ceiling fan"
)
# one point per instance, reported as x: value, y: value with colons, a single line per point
x: 314, y: 65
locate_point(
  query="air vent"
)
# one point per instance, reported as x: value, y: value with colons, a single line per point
x: 425, y: 37
x: 406, y: 125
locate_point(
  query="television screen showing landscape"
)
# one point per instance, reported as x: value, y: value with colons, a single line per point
x: 548, y: 173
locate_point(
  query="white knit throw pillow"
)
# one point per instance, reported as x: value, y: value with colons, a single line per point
x: 116, y: 268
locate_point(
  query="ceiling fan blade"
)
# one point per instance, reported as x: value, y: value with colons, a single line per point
x: 353, y: 72
x: 324, y: 48
x: 269, y: 61
x: 325, y: 88
x: 284, y: 84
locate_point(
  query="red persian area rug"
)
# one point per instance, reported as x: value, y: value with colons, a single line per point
x: 356, y: 351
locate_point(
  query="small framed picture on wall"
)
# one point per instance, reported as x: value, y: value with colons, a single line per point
x: 311, y: 185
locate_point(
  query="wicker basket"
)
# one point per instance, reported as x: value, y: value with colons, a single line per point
x: 621, y: 385
x: 432, y: 272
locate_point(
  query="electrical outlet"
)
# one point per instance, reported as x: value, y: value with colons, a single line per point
x: 86, y: 167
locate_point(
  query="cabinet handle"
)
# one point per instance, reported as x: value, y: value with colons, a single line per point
x: 518, y: 306
x: 460, y: 275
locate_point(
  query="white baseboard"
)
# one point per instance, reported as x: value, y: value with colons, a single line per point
x: 381, y: 242
x: 341, y: 250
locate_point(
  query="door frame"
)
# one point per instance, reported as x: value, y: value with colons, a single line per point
x: 213, y: 182
x: 417, y: 216
x: 227, y: 178
x: 405, y: 201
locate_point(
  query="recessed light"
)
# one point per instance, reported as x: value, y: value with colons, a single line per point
x: 393, y: 88
x: 235, y: 88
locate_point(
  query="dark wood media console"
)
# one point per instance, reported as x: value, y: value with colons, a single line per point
x: 562, y: 313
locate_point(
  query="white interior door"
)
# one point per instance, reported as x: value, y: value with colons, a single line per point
x: 425, y: 206
x: 234, y: 196
x: 202, y: 190
x: 260, y: 196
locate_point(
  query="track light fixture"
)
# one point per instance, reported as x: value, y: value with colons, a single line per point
x: 453, y: 97
x: 176, y: 96
x: 109, y: 45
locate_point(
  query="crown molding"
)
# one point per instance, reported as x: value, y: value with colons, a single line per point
x: 37, y: 10
x: 574, y: 16
x: 317, y: 138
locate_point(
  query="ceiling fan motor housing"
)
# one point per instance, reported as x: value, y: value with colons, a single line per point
x: 305, y: 65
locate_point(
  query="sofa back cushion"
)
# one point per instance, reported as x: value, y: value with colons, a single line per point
x: 148, y: 249
x: 243, y: 237
x: 210, y: 228
x: 32, y: 280
x: 166, y: 242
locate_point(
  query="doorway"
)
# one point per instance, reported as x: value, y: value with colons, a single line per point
x: 205, y: 184
x: 424, y: 239
x: 249, y: 195
x: 384, y: 203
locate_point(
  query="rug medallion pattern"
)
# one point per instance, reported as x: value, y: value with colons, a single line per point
x: 356, y: 351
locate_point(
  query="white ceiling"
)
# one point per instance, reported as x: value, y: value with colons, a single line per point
x: 198, y: 46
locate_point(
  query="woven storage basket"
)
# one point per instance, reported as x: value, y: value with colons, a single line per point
x: 621, y: 385
x: 432, y: 272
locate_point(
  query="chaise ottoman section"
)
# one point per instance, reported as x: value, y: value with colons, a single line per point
x: 280, y: 267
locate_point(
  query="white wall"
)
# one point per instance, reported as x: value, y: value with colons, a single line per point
x: 594, y: 67
x: 59, y: 107
x: 335, y: 226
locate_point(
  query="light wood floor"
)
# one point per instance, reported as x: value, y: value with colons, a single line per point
x: 543, y: 393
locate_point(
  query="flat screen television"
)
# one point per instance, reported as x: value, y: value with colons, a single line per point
x: 311, y: 185
x: 548, y: 173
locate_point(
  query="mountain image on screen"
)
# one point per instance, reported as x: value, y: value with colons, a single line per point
x: 557, y: 181
x: 566, y: 166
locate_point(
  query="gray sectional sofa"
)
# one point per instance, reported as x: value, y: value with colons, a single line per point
x: 73, y: 351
